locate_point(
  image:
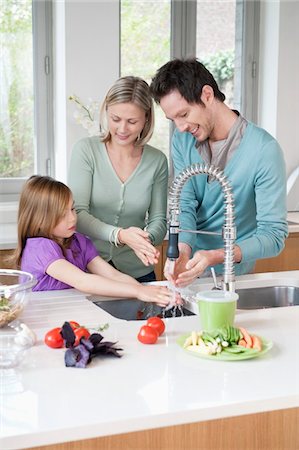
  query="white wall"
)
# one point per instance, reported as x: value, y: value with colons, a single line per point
x: 86, y: 64
x: 278, y: 110
x: 288, y: 85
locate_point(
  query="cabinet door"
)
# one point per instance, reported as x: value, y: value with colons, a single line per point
x: 288, y: 259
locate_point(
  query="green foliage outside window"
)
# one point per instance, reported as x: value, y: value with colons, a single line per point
x: 221, y: 65
x: 16, y: 86
x: 145, y: 46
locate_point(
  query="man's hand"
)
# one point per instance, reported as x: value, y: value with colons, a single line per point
x: 184, y: 270
x: 172, y: 269
x: 194, y: 268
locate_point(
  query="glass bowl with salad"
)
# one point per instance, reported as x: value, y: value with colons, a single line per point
x: 15, y: 288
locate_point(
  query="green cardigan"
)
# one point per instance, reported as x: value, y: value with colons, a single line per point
x: 104, y: 203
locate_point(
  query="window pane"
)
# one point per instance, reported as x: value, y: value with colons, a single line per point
x: 215, y: 44
x: 145, y: 46
x: 16, y: 89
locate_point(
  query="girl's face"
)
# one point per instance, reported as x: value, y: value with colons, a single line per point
x: 125, y: 122
x: 67, y: 225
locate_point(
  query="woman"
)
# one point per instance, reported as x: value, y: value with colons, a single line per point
x: 119, y: 182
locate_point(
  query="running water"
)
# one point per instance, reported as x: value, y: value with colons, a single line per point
x: 176, y: 310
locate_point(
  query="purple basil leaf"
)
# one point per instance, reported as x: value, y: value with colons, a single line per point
x: 87, y: 344
x: 104, y: 348
x: 77, y: 357
x: 85, y: 356
x: 95, y: 338
x: 71, y: 356
x: 68, y: 334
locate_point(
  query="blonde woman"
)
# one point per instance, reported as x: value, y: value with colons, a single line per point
x: 119, y: 182
x: 50, y: 248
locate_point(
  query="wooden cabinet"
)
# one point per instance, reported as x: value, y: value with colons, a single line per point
x: 268, y: 430
x: 160, y: 266
x: 287, y: 260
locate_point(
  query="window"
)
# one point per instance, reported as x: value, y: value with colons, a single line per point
x: 227, y: 34
x: 145, y: 46
x: 25, y: 86
x: 222, y: 34
x: 215, y: 43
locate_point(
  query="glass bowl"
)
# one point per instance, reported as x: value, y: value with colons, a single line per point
x: 15, y: 287
x: 11, y: 351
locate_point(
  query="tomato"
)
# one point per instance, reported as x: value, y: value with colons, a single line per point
x: 74, y: 324
x: 81, y: 332
x: 54, y: 339
x: 156, y: 323
x: 147, y: 335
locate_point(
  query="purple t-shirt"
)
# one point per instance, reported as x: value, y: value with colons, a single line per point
x: 40, y: 252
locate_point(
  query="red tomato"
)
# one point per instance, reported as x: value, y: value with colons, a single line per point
x: 147, y: 335
x: 156, y: 323
x: 54, y: 339
x: 74, y: 324
x: 81, y: 332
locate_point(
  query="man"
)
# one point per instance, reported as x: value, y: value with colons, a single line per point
x: 207, y: 130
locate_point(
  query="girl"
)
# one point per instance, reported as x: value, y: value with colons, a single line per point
x: 59, y: 258
x: 119, y: 182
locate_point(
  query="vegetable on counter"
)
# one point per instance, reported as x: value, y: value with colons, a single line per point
x: 150, y: 332
x: 53, y: 338
x: 227, y: 339
x: 156, y: 323
x: 147, y: 335
x: 81, y: 346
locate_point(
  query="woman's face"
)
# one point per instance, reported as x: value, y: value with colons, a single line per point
x: 125, y: 122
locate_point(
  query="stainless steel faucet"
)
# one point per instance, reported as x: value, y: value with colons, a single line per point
x: 228, y: 230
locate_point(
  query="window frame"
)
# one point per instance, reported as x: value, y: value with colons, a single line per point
x: 183, y: 44
x: 43, y: 94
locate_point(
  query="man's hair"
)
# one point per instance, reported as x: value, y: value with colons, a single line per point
x: 187, y: 76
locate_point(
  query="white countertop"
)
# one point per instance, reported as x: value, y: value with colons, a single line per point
x: 43, y: 402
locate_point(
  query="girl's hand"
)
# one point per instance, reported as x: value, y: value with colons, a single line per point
x: 158, y: 294
x: 139, y: 242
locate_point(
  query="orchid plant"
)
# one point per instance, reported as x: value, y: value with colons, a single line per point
x: 87, y: 115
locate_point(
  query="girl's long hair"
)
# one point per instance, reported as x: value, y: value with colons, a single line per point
x: 134, y: 90
x: 42, y: 205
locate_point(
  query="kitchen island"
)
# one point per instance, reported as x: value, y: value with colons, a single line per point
x: 155, y: 396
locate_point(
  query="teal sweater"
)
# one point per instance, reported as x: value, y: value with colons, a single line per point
x: 104, y: 203
x: 257, y: 175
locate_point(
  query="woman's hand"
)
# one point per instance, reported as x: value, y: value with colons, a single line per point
x: 139, y: 242
x: 160, y: 295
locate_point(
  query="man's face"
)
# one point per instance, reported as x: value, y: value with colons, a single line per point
x: 193, y: 118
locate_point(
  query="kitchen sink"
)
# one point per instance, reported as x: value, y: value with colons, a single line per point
x: 132, y: 309
x: 256, y: 291
x: 268, y: 297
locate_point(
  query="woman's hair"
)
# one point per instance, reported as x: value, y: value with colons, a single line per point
x: 42, y: 205
x: 129, y: 90
x: 188, y: 77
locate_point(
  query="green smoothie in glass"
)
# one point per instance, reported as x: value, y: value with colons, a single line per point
x: 216, y: 308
